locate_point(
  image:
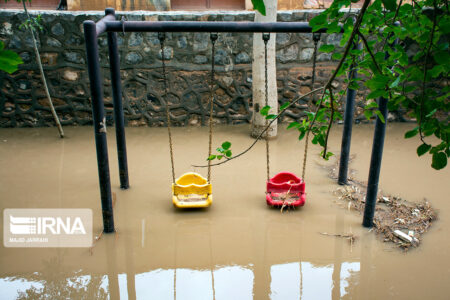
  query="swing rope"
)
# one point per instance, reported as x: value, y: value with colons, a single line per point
x: 162, y: 37
x: 266, y: 38
x: 213, y: 37
x: 316, y: 39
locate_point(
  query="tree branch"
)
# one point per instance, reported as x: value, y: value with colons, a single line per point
x: 422, y: 100
x: 329, y: 124
x: 41, y: 70
x: 263, y: 131
x: 393, y: 22
x: 324, y: 88
x: 349, y: 43
x: 366, y: 45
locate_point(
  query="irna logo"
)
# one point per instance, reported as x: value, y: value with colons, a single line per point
x: 53, y: 227
x: 46, y: 225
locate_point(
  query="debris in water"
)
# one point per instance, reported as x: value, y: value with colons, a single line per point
x: 393, y: 215
x: 349, y: 236
x: 407, y: 238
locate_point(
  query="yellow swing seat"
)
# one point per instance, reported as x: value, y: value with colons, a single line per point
x: 191, y: 190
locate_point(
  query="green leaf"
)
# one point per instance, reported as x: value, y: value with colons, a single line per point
x: 437, y: 70
x: 285, y: 105
x: 409, y: 89
x: 377, y: 82
x: 326, y: 48
x: 372, y: 104
x: 271, y: 117
x: 380, y: 115
x: 211, y: 157
x: 9, y: 60
x: 412, y: 133
x: 293, y: 124
x: 226, y: 145
x: 220, y: 150
x: 375, y: 94
x: 336, y: 56
x: 228, y: 153
x: 439, y: 160
x: 265, y: 110
x: 302, y: 135
x: 422, y: 149
x: 319, y: 21
x: 259, y: 6
x: 395, y: 83
x: 442, y: 57
x: 390, y: 4
x: 431, y: 113
x: 327, y: 155
x: 219, y: 157
x: 368, y: 114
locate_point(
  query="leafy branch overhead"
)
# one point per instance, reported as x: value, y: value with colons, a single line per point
x: 416, y: 83
x: 259, y: 6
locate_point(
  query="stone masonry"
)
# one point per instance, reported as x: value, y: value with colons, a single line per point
x: 23, y: 102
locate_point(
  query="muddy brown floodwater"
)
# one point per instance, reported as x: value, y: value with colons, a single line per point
x: 238, y: 248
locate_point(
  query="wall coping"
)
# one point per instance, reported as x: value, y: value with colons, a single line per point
x: 162, y: 13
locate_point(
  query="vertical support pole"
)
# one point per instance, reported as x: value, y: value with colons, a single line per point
x: 348, y: 124
x: 99, y: 119
x: 114, y: 62
x: 375, y: 164
x: 375, y: 160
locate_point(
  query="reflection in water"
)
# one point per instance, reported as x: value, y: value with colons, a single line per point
x: 303, y: 280
x: 349, y: 274
x: 193, y: 284
x: 75, y: 287
x: 317, y: 281
x: 285, y: 281
x: 12, y: 287
x: 307, y: 281
x: 157, y: 284
x: 233, y: 282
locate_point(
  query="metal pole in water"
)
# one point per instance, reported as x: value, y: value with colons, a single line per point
x: 114, y: 62
x: 348, y: 124
x: 375, y: 164
x: 375, y: 160
x: 98, y: 114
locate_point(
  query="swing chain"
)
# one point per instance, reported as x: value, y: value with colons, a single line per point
x: 213, y: 37
x: 316, y: 39
x: 266, y: 38
x: 162, y: 37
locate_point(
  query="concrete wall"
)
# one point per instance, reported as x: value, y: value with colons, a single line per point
x: 23, y: 102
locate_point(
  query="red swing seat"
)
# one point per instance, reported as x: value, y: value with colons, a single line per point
x: 285, y: 189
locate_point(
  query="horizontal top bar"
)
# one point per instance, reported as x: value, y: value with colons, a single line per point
x: 100, y: 26
x: 193, y: 26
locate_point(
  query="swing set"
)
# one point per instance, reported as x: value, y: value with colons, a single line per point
x: 192, y: 190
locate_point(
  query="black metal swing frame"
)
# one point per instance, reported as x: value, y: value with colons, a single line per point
x: 111, y: 26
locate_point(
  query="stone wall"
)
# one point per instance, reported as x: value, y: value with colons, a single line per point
x: 23, y: 102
